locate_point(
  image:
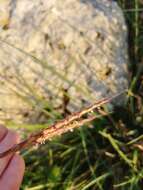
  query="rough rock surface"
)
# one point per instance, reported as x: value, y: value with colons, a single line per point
x: 49, y: 47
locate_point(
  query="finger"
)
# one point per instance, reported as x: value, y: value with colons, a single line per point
x: 3, y: 132
x: 10, y: 139
x: 13, y: 175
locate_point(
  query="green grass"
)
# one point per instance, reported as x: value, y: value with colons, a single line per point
x: 105, y: 156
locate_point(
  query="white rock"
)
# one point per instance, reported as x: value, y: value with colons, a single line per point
x: 82, y: 41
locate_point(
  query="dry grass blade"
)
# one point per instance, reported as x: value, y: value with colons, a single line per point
x: 71, y: 122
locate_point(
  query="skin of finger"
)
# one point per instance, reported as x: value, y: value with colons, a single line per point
x: 10, y: 139
x: 13, y: 175
x: 3, y: 132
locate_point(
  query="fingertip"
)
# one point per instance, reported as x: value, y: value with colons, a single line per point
x: 8, y: 141
x: 14, y: 172
x: 14, y: 135
x: 3, y: 131
x: 18, y: 159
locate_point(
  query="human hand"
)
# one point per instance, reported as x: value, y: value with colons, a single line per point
x: 11, y: 166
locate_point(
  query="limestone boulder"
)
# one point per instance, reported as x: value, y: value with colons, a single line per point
x: 56, y: 52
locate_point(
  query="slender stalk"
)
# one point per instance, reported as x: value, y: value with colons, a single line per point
x: 71, y: 122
